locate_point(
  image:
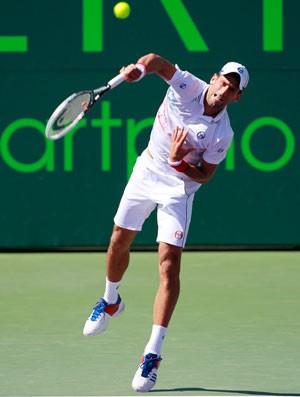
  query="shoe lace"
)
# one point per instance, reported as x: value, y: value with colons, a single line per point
x: 98, y: 309
x: 150, y: 361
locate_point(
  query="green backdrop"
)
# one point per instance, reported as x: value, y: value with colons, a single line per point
x: 66, y: 193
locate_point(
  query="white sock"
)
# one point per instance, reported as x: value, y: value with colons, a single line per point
x: 155, y: 342
x: 111, y: 291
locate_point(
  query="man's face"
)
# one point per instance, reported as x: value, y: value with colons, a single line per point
x: 223, y: 90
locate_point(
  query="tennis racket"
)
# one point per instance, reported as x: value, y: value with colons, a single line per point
x: 74, y: 108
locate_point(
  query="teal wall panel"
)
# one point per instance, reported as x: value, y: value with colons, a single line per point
x: 66, y: 193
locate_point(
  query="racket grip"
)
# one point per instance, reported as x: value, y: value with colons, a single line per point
x: 114, y: 82
x: 142, y: 69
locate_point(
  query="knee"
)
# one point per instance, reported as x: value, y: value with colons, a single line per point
x: 116, y: 242
x: 120, y: 239
x: 169, y: 270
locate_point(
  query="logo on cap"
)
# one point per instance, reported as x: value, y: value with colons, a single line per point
x: 241, y: 70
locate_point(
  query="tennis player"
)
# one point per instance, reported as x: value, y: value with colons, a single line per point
x: 189, y: 138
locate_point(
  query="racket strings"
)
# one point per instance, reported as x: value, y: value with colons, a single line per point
x: 78, y: 105
x: 72, y: 109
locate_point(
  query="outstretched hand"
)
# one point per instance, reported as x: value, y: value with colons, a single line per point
x: 177, y: 149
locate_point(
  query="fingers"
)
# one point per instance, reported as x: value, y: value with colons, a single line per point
x: 179, y: 135
x: 131, y: 72
x: 179, y: 146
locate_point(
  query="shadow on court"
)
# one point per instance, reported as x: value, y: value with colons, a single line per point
x: 250, y: 392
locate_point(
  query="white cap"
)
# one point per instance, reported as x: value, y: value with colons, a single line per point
x: 234, y: 67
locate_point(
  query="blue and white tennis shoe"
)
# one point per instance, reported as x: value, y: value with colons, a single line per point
x: 146, y: 375
x: 99, y: 318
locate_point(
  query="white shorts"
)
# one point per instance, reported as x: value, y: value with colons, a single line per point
x: 147, y: 190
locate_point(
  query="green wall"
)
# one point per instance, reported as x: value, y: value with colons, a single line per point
x: 65, y: 193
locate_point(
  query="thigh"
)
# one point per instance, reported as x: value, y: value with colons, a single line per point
x: 131, y: 214
x: 173, y: 218
x: 136, y: 204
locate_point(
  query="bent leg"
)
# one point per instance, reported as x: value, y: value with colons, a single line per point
x: 117, y: 258
x: 117, y: 262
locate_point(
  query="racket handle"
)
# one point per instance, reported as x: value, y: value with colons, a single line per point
x: 142, y: 69
x: 116, y: 81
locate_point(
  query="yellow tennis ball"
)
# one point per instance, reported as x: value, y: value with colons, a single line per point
x: 122, y: 10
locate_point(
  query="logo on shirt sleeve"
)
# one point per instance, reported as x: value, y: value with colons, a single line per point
x: 182, y: 86
x: 201, y: 135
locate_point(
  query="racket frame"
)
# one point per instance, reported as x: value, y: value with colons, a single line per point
x: 95, y: 95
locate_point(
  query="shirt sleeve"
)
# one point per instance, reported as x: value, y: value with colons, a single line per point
x: 216, y: 153
x: 185, y: 86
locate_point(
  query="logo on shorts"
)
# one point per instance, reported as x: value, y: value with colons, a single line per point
x: 182, y: 86
x: 178, y: 234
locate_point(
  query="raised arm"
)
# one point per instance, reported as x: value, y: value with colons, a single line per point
x: 154, y: 64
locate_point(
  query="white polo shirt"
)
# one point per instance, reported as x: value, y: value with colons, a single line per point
x: 183, y: 107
